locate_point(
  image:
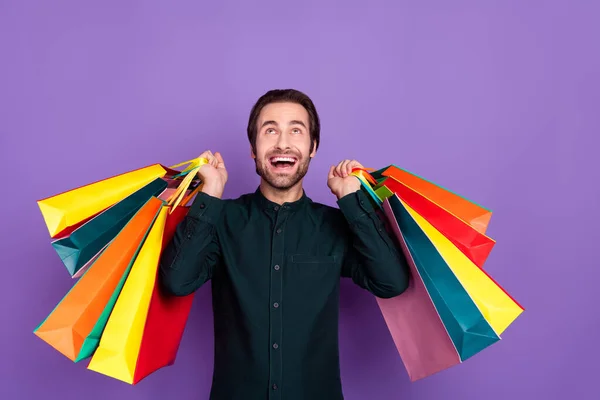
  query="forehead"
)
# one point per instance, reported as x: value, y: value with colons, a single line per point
x: 282, y: 113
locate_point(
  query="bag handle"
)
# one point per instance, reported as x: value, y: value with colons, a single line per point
x: 368, y: 183
x: 190, y: 173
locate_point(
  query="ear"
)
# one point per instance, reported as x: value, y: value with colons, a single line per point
x: 314, y: 149
x: 252, y: 155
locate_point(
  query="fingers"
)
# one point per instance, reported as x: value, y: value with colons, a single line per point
x: 212, y: 160
x: 339, y: 169
x: 344, y: 168
x: 347, y: 168
x: 353, y: 164
x: 331, y: 172
x: 220, y: 162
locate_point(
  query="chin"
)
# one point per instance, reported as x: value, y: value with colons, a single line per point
x: 281, y: 180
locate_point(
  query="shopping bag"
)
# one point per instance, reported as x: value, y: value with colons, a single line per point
x: 468, y: 329
x: 496, y: 305
x: 472, y: 213
x: 145, y: 328
x: 75, y: 325
x: 167, y: 317
x: 120, y: 342
x: 474, y: 244
x: 65, y: 211
x: 414, y: 324
x: 83, y: 244
x: 70, y: 208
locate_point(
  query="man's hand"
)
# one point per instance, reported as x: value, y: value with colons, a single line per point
x: 213, y: 174
x: 340, y: 181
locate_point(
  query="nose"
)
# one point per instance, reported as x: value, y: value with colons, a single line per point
x: 283, y: 141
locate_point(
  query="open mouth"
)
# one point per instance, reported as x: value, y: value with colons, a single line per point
x: 283, y: 162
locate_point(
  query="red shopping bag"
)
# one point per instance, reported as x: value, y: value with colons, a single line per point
x: 474, y: 244
x: 167, y: 318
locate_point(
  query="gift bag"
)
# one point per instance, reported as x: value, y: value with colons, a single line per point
x: 145, y: 327
x: 473, y: 214
x: 452, y: 308
x: 495, y: 304
x: 110, y: 234
x: 474, y: 244
x: 65, y: 211
x: 75, y: 325
x: 84, y: 243
x: 70, y: 208
x: 167, y: 316
x: 469, y: 330
x: 413, y: 321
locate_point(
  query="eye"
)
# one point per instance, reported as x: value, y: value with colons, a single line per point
x: 296, y: 131
x: 270, y: 131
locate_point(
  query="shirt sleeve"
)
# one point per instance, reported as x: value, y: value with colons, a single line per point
x: 372, y: 260
x: 189, y: 259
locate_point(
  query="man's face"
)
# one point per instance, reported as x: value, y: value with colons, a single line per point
x: 283, y: 145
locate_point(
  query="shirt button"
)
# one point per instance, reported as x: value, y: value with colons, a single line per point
x: 274, y: 386
x: 276, y: 208
x: 276, y: 267
x: 202, y: 205
x: 275, y: 346
x: 279, y: 230
x: 276, y: 305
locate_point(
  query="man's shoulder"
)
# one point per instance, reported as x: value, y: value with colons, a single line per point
x: 326, y: 211
x: 242, y: 201
x: 325, y: 208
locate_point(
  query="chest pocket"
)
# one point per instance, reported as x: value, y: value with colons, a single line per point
x: 314, y: 264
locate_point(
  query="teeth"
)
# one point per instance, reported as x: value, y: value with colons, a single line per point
x: 283, y: 159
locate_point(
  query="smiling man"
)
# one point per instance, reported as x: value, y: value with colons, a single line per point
x: 275, y: 259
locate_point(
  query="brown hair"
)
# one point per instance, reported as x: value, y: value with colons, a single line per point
x: 282, y: 96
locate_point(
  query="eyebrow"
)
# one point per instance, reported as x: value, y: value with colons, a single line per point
x: 296, y: 122
x: 270, y: 122
x: 293, y: 122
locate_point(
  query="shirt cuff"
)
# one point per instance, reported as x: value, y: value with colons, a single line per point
x: 355, y: 205
x: 206, y: 208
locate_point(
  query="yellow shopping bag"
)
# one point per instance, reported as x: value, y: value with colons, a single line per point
x: 117, y: 352
x: 67, y: 209
x: 497, y: 307
x: 64, y: 211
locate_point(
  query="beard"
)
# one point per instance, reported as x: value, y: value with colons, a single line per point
x: 282, y: 181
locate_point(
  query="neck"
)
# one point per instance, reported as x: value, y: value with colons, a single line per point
x: 281, y: 196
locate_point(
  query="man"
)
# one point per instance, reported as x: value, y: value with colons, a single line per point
x: 275, y: 258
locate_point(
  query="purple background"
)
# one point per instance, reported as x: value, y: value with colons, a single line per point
x: 496, y: 100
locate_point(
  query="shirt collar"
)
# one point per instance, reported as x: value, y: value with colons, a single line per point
x: 267, y: 204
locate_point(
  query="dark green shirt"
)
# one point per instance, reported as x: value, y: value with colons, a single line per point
x: 275, y: 273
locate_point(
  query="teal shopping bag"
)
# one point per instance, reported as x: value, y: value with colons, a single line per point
x: 86, y: 242
x: 468, y: 329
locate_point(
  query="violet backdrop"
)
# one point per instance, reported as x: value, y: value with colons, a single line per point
x: 497, y: 100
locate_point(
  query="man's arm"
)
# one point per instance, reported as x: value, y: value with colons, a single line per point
x: 190, y: 258
x: 192, y: 255
x: 373, y: 260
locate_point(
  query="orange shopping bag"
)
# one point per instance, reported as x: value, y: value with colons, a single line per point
x: 473, y: 214
x: 74, y: 326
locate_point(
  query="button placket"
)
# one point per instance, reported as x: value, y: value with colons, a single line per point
x: 276, y: 320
